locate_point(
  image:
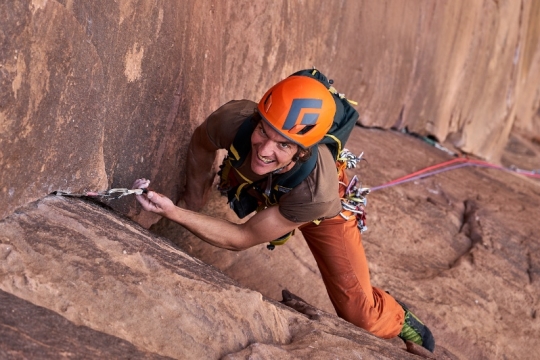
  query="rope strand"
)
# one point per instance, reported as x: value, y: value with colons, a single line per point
x: 436, y: 169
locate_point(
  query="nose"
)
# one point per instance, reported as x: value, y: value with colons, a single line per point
x: 267, y: 147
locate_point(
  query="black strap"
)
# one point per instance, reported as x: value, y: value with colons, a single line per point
x: 299, y: 172
x: 240, y: 144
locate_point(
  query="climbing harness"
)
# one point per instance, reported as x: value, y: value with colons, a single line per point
x: 111, y: 194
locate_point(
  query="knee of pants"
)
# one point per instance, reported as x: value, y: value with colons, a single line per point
x: 385, y: 328
x: 363, y: 317
x: 384, y: 319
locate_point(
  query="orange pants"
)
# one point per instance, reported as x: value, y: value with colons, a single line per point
x: 337, y: 247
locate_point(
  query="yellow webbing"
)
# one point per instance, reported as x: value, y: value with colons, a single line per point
x: 337, y: 141
x: 341, y: 96
x: 242, y: 176
x: 267, y: 200
x: 234, y: 152
x: 282, y: 240
x: 239, y: 190
x: 225, y: 172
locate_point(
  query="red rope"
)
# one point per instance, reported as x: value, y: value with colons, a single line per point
x: 429, y: 168
x: 449, y: 165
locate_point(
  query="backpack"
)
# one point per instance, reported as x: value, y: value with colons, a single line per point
x: 243, y: 198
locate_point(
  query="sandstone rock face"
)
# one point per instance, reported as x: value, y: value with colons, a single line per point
x: 464, y: 241
x: 129, y: 290
x: 95, y: 93
x: 464, y: 73
x: 33, y: 332
x: 460, y: 248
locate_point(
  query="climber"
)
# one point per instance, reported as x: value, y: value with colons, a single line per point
x: 267, y: 142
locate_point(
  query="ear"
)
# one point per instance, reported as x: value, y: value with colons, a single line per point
x: 303, y: 154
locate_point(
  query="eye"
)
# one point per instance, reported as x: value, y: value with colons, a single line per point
x: 285, y: 145
x: 261, y: 130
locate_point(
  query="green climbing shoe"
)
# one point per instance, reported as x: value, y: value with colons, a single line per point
x: 414, y: 330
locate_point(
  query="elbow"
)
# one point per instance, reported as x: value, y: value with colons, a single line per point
x: 240, y: 239
x: 237, y: 247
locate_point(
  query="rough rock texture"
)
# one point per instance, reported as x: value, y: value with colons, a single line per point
x: 103, y: 272
x: 286, y: 267
x: 33, y: 332
x: 96, y: 93
x: 460, y: 248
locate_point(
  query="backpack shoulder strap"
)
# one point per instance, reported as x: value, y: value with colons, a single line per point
x: 344, y: 122
x: 239, y: 148
x: 297, y: 174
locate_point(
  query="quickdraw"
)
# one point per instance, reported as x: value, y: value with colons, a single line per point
x: 346, y: 156
x: 355, y: 197
x: 111, y: 194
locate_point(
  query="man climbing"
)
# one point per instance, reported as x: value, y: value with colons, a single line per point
x: 271, y: 144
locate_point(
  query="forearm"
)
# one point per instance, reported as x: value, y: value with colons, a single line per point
x: 264, y: 226
x: 214, y: 231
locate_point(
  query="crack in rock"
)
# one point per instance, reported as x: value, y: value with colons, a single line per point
x: 470, y: 227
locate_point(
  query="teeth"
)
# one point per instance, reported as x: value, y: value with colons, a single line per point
x: 264, y: 160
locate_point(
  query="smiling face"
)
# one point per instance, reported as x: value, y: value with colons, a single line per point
x: 270, y: 150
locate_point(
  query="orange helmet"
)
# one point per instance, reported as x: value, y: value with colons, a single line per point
x: 300, y: 108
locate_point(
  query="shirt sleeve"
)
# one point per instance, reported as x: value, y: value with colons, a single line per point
x: 223, y: 124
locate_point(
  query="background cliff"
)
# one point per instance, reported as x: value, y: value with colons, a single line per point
x: 94, y: 94
x: 97, y: 93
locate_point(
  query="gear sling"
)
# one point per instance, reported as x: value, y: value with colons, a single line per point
x: 246, y: 196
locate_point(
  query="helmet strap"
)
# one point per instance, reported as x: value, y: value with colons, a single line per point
x: 269, y: 182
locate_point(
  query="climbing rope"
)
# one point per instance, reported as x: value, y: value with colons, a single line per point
x: 355, y: 197
x: 453, y: 165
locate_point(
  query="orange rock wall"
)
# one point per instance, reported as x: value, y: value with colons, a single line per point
x: 94, y: 94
